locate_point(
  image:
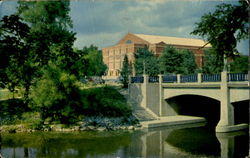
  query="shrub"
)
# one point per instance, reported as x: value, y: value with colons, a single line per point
x: 104, y: 101
x: 11, y: 110
x: 32, y: 119
x: 56, y: 95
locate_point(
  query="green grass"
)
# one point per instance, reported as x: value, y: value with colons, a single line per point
x: 5, y: 94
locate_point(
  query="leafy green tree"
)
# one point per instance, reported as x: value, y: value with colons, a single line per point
x: 52, y: 95
x: 146, y: 61
x: 189, y: 65
x: 126, y: 71
x: 212, y: 63
x: 171, y: 61
x: 50, y: 29
x: 94, y: 61
x: 14, y: 61
x: 50, y: 36
x: 224, y: 27
x: 240, y: 65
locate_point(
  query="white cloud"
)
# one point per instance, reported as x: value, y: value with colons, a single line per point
x: 99, y: 39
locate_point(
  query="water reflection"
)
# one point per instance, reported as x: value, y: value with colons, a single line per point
x: 174, y: 143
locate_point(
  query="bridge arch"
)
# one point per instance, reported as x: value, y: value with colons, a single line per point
x: 209, y: 93
x: 215, y: 97
x: 196, y: 105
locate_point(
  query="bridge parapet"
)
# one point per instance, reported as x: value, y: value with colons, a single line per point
x: 237, y: 77
x: 137, y: 79
x: 211, y: 77
x: 195, y: 78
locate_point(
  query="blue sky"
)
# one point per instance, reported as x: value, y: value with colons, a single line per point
x: 105, y: 22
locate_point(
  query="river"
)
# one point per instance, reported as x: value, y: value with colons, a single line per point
x: 174, y: 142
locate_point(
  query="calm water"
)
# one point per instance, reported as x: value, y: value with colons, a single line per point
x: 172, y: 143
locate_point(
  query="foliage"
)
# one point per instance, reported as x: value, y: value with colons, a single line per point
x: 212, y: 63
x: 50, y: 34
x: 32, y: 120
x: 14, y: 61
x: 240, y: 65
x: 188, y: 64
x: 145, y: 60
x: 94, y: 61
x: 52, y: 95
x: 11, y: 110
x: 171, y: 61
x: 224, y: 27
x: 36, y: 53
x: 42, y: 34
x: 104, y: 101
x: 126, y: 71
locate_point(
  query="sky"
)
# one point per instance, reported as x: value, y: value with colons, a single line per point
x: 104, y: 22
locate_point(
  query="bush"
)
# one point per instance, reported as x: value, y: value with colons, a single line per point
x: 32, y: 119
x: 56, y: 96
x: 104, y: 101
x: 11, y: 110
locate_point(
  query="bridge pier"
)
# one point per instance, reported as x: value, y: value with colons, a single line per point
x: 226, y: 123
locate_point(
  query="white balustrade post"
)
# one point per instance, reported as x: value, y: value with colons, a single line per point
x: 199, y: 76
x: 178, y: 78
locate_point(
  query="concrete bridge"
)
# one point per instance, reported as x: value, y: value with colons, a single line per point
x: 153, y: 94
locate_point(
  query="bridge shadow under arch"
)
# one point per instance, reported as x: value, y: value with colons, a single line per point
x: 241, y: 112
x: 196, y: 105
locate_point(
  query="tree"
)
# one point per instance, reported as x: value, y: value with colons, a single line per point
x: 146, y: 61
x: 240, y: 65
x: 14, y: 61
x: 94, y: 61
x: 224, y: 27
x: 50, y: 34
x: 212, y: 63
x: 171, y: 61
x: 126, y: 71
x: 52, y: 95
x: 189, y: 65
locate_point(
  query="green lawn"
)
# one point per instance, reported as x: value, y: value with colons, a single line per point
x: 6, y: 94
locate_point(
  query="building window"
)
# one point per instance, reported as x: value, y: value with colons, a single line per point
x: 128, y: 42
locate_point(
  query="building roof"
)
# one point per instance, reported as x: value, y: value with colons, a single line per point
x: 173, y: 40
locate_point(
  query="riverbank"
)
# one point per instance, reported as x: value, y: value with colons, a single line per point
x: 64, y: 128
x: 96, y: 108
x: 89, y: 124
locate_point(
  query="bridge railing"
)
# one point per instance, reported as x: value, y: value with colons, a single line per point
x: 237, y: 77
x: 189, y: 78
x: 230, y: 77
x: 137, y: 79
x: 169, y: 79
x: 153, y: 79
x: 211, y: 78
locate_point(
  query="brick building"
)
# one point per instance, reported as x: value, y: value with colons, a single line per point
x: 113, y: 56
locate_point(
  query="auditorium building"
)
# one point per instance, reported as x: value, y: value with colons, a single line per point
x: 113, y: 56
